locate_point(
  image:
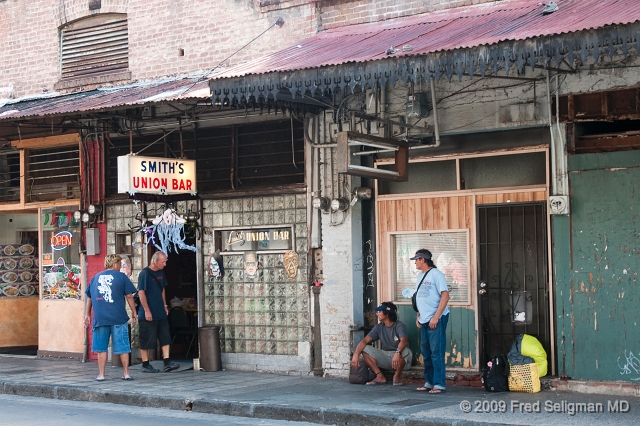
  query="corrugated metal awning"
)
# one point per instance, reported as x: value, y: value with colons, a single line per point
x: 463, y: 41
x: 106, y: 98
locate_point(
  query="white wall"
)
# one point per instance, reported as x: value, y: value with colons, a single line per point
x: 12, y: 224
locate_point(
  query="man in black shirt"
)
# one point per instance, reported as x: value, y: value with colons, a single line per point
x: 395, y: 354
x: 153, y: 313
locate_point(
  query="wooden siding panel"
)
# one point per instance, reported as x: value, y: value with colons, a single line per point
x: 405, y: 215
x: 440, y: 213
x: 453, y: 212
x: 427, y: 208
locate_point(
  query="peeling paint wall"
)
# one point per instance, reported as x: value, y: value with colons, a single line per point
x: 597, y: 261
x: 462, y: 336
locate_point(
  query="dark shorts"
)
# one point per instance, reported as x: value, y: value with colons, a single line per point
x: 152, y: 332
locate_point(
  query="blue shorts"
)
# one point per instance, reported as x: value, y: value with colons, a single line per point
x: 120, y: 338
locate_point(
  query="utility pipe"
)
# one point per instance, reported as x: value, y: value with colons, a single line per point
x: 436, y: 128
x: 563, y: 164
x: 553, y: 144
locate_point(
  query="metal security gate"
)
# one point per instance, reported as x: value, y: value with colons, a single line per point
x: 513, y: 287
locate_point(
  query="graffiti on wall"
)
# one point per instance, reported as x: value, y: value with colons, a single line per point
x: 369, y: 263
x: 629, y: 365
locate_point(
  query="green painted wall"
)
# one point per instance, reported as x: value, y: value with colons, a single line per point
x: 461, y: 336
x: 596, y: 260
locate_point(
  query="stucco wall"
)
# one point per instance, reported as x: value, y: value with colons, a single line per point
x: 18, y: 321
x: 61, y: 326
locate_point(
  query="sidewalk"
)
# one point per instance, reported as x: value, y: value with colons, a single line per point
x: 306, y: 398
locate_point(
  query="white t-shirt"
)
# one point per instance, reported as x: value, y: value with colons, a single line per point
x: 429, y: 295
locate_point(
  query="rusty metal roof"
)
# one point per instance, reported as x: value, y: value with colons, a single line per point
x: 466, y: 27
x: 106, y: 98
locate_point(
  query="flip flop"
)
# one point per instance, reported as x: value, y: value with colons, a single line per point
x: 99, y: 380
x: 436, y: 391
x: 375, y: 383
x: 128, y: 378
x: 424, y: 389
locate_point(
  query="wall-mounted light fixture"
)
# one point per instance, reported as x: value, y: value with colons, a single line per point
x: 361, y: 193
x: 88, y: 218
x: 77, y: 215
x: 95, y: 209
x: 321, y: 203
x: 339, y: 204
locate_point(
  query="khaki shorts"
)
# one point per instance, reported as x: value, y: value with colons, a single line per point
x: 384, y: 358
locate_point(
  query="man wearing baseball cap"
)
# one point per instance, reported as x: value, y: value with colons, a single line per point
x: 395, y: 354
x: 432, y: 319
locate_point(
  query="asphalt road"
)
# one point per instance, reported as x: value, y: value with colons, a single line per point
x: 27, y: 411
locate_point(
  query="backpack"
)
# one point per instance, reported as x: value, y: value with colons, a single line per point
x: 136, y: 301
x: 496, y: 377
x: 361, y: 374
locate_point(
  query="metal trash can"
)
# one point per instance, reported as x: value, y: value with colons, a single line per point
x: 210, y: 355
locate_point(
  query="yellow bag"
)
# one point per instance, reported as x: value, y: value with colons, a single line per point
x: 524, y: 378
x: 532, y: 348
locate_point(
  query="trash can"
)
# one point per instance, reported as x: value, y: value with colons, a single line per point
x: 210, y: 355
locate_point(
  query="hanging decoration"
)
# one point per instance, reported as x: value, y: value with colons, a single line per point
x: 166, y: 230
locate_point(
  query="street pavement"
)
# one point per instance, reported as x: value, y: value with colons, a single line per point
x: 307, y: 398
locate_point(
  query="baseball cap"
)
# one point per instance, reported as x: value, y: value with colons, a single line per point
x: 425, y: 256
x: 385, y: 308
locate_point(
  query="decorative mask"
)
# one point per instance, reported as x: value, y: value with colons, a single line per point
x: 214, y: 268
x: 250, y: 265
x: 291, y: 263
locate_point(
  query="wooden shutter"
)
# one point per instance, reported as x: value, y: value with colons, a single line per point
x: 94, y: 46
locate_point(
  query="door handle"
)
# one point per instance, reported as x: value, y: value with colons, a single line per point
x: 482, y: 291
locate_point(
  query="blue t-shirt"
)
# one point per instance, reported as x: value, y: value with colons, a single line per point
x: 152, y: 282
x: 429, y: 295
x: 107, y: 291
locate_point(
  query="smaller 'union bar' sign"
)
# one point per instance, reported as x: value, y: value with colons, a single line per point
x: 257, y: 239
x: 155, y: 175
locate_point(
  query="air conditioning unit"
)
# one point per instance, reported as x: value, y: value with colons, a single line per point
x: 559, y: 204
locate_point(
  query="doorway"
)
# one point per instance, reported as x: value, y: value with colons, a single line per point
x: 513, y: 284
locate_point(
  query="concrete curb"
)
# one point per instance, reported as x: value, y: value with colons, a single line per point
x: 230, y: 408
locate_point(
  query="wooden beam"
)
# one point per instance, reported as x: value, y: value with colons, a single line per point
x: 47, y: 142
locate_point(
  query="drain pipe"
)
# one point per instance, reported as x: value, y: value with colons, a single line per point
x: 436, y: 127
x: 563, y: 163
x: 553, y: 143
x: 317, y: 334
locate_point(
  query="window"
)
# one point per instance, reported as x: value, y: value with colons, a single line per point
x: 227, y: 158
x: 450, y: 251
x: 95, y: 47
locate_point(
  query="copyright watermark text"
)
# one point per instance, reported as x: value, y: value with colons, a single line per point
x: 548, y: 406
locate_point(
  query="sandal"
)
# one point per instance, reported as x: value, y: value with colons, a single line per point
x: 426, y: 388
x: 435, y: 391
x: 373, y: 382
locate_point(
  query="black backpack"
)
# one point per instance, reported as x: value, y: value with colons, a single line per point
x: 361, y: 374
x: 495, y: 378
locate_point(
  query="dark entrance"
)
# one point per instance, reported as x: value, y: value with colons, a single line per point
x: 513, y: 287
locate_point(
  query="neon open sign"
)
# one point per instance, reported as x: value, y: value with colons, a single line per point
x: 61, y: 240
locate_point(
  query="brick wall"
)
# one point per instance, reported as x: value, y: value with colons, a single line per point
x: 337, y: 13
x: 207, y: 31
x: 341, y: 295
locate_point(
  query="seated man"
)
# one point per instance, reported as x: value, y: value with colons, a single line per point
x: 395, y: 354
